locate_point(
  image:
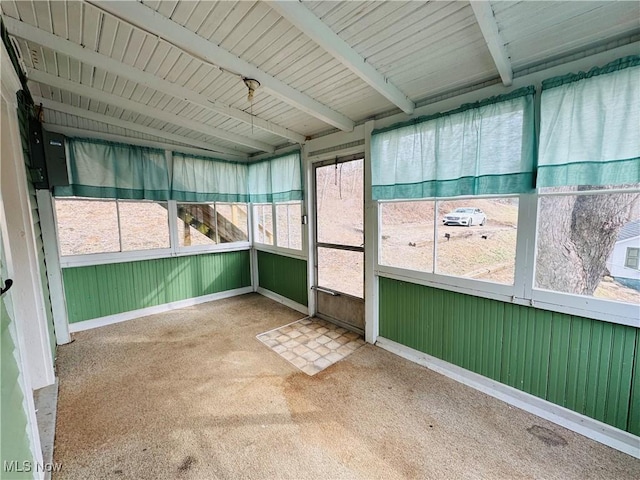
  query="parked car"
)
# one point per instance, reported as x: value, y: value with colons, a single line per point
x: 466, y: 216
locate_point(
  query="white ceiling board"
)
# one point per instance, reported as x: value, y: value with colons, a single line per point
x: 153, y: 22
x: 537, y: 32
x: 424, y: 48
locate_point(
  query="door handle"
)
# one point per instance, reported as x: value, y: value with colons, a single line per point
x: 8, y: 283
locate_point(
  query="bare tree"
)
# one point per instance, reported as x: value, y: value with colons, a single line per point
x: 576, y: 234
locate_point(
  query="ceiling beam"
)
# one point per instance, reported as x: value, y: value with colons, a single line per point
x: 303, y: 19
x: 489, y: 27
x: 126, y: 104
x: 149, y: 20
x: 111, y: 137
x: 117, y: 122
x: 73, y: 50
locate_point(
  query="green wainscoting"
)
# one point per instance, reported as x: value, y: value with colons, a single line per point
x: 14, y: 440
x: 586, y: 365
x: 101, y: 290
x: 285, y: 276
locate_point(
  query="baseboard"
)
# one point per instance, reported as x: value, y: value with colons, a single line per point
x: 587, y: 426
x: 283, y: 300
x: 165, y: 307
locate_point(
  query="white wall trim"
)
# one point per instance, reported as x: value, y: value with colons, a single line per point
x: 283, y: 300
x: 29, y: 307
x: 283, y: 252
x: 54, y: 271
x: 371, y: 247
x: 165, y: 307
x: 590, y: 428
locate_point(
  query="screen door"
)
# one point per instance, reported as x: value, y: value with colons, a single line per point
x: 340, y: 241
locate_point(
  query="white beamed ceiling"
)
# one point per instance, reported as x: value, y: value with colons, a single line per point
x: 423, y: 48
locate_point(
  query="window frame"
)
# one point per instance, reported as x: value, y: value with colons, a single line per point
x: 174, y: 250
x: 582, y: 305
x: 523, y: 291
x: 275, y: 248
x: 637, y: 258
x: 478, y: 287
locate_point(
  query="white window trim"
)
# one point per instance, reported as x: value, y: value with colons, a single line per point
x: 174, y: 250
x: 275, y: 248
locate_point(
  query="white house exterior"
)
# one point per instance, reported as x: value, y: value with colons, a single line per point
x: 623, y: 263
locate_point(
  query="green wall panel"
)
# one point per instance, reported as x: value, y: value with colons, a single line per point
x: 101, y: 290
x: 14, y: 440
x: 586, y: 365
x: 285, y: 276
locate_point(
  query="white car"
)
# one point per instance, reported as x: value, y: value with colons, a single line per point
x: 466, y: 216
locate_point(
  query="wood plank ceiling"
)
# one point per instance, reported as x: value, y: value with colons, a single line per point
x: 172, y: 71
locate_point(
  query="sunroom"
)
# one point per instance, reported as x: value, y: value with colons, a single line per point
x: 320, y: 239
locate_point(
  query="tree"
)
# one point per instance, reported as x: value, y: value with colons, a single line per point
x: 576, y: 234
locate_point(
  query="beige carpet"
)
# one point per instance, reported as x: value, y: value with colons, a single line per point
x: 193, y: 394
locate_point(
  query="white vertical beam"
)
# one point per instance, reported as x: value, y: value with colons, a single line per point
x: 302, y: 18
x: 371, y: 300
x: 54, y: 272
x: 310, y: 229
x: 487, y: 22
x: 151, y: 21
x: 27, y: 289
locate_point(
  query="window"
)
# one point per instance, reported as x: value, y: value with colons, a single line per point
x: 114, y: 227
x: 286, y: 231
x: 263, y: 223
x: 407, y: 234
x: 289, y: 225
x: 110, y: 226
x: 631, y: 260
x: 211, y: 223
x: 583, y: 238
x: 474, y: 238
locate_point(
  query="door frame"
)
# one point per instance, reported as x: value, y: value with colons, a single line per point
x: 314, y: 244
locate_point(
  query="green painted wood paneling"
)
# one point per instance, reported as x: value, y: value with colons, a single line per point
x: 101, y: 290
x: 285, y: 276
x: 14, y: 440
x: 586, y: 365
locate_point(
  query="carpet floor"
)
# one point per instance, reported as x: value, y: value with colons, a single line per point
x: 193, y: 394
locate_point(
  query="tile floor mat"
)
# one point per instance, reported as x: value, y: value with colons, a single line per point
x: 312, y: 344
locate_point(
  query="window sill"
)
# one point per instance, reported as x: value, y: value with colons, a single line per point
x: 124, y: 257
x: 589, y: 307
x: 286, y: 252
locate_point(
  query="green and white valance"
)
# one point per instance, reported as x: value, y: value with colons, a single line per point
x: 102, y: 169
x: 201, y: 179
x: 487, y: 147
x: 112, y: 170
x: 589, y: 127
x: 277, y: 179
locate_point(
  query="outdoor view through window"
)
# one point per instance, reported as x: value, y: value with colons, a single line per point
x: 587, y: 242
x: 476, y: 238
